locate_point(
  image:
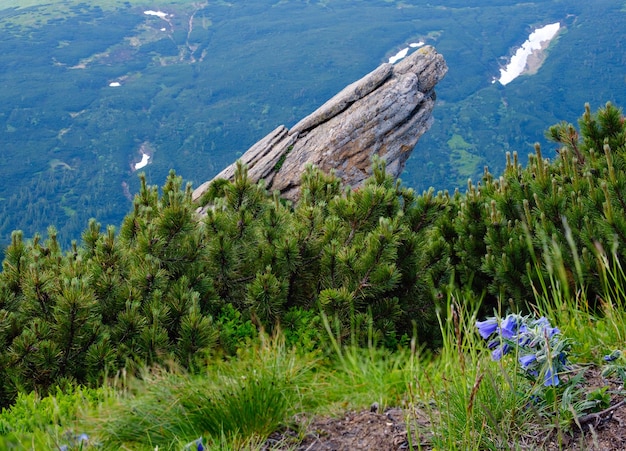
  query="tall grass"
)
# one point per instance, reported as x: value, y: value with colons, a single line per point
x: 565, y: 302
x: 238, y: 402
x: 366, y: 375
x: 613, y: 303
x: 472, y: 402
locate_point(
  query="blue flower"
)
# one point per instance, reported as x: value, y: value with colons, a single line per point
x: 542, y: 322
x: 75, y: 440
x: 487, y: 327
x: 523, y: 329
x: 533, y: 401
x: 551, y: 378
x: 509, y: 327
x: 551, y: 331
x: 527, y: 360
x: 613, y: 356
x: 500, y: 351
x: 544, y: 325
x: 524, y: 335
x: 196, y: 445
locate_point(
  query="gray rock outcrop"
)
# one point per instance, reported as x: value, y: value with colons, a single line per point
x: 384, y: 113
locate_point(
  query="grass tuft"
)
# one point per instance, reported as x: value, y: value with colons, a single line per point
x: 239, y: 402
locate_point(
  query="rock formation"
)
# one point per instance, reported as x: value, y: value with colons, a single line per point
x: 384, y: 113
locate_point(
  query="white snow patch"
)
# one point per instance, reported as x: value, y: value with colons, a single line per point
x: 518, y: 61
x: 160, y: 14
x: 398, y: 56
x: 144, y: 161
x: 404, y: 52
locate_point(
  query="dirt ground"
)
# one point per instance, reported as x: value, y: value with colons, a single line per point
x: 387, y: 431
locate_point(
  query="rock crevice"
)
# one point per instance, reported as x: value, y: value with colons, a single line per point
x: 384, y: 114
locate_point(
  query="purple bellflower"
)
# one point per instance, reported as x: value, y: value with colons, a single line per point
x: 509, y: 327
x: 541, y: 322
x: 535, y: 339
x: 551, y: 378
x: 487, y: 327
x: 612, y: 356
x: 196, y: 445
x: 527, y: 360
x: 501, y: 350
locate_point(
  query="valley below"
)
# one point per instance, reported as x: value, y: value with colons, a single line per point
x: 86, y: 87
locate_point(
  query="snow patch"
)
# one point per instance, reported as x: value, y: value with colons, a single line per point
x: 160, y: 14
x: 144, y: 161
x: 404, y: 52
x: 536, y: 42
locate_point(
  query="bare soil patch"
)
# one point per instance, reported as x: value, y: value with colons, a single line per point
x: 364, y: 430
x: 387, y: 431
